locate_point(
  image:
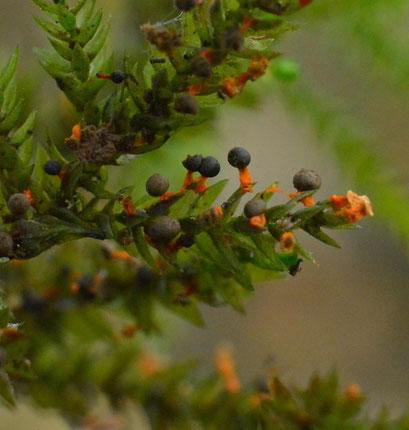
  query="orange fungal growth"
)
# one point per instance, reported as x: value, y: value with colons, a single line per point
x: 258, y: 398
x: 353, y: 392
x: 230, y: 87
x: 149, y: 364
x: 188, y: 181
x: 227, y: 370
x: 29, y: 196
x: 129, y: 331
x: 287, y: 242
x: 258, y: 221
x: 128, y: 206
x: 103, y: 76
x: 208, y: 54
x: 201, y: 186
x: 304, y: 3
x: 195, y: 90
x: 246, y: 24
x: 306, y: 201
x: 62, y: 175
x: 120, y: 255
x: 258, y: 67
x: 74, y: 287
x: 139, y: 142
x: 246, y: 181
x: 273, y: 189
x: 76, y: 132
x: 351, y: 207
x: 218, y: 210
x: 11, y: 332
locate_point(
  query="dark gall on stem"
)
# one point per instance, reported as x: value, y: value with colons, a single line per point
x: 254, y: 208
x: 163, y: 230
x: 210, y: 167
x: 307, y: 180
x: 52, y: 167
x: 187, y: 104
x: 232, y: 40
x: 201, y: 67
x: 157, y: 185
x: 6, y: 245
x: 239, y: 158
x: 193, y: 162
x: 18, y: 204
x: 117, y: 77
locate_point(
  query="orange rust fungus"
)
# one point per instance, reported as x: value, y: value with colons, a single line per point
x: 51, y: 293
x: 273, y: 189
x: 160, y: 263
x: 230, y: 87
x: 74, y: 287
x: 246, y: 24
x: 130, y: 330
x: 306, y: 201
x: 208, y: 54
x: 304, y: 3
x: 139, y: 142
x: 287, y: 242
x: 174, y: 247
x: 196, y: 89
x: 246, y: 180
x: 120, y: 255
x: 188, y: 181
x: 149, y: 364
x: 17, y: 263
x: 128, y: 206
x: 30, y: 196
x: 353, y: 392
x: 258, y: 67
x: 258, y: 398
x: 76, y: 132
x: 11, y: 332
x: 227, y: 370
x: 103, y: 76
x: 352, y: 207
x: 258, y: 221
x: 218, y: 210
x: 62, y: 175
x: 201, y: 186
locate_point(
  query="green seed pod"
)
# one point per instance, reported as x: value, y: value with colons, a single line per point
x: 254, y: 208
x: 307, y: 180
x: 157, y: 185
x: 6, y: 245
x: 187, y: 104
x: 18, y: 204
x: 163, y: 229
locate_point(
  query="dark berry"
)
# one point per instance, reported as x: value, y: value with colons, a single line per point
x: 157, y: 185
x: 52, y: 167
x: 232, y: 40
x: 185, y: 5
x: 193, y: 162
x: 6, y: 245
x: 187, y: 240
x: 144, y: 276
x: 117, y: 77
x: 187, y: 104
x: 18, y: 204
x: 201, y: 67
x: 254, y: 208
x: 210, y: 167
x: 163, y: 229
x: 239, y: 157
x: 307, y: 180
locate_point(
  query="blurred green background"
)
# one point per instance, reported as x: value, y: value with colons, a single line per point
x: 351, y: 311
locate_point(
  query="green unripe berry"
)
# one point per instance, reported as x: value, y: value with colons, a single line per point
x: 18, y: 204
x: 210, y: 167
x: 163, y: 229
x: 307, y: 180
x: 6, y: 245
x: 193, y: 162
x: 157, y: 185
x: 286, y: 70
x: 187, y: 104
x: 254, y: 208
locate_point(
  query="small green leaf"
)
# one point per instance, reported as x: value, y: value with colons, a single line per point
x: 84, y: 12
x: 6, y: 389
x: 53, y: 29
x: 25, y: 151
x: 206, y: 200
x: 93, y: 47
x: 8, y: 71
x: 80, y: 63
x: 66, y: 18
x: 25, y: 131
x: 46, y: 7
x: 88, y: 32
x: 7, y: 124
x: 53, y: 64
x: 61, y: 48
x: 142, y: 246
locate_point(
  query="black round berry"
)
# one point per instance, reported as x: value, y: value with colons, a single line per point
x: 187, y: 240
x: 239, y: 157
x: 254, y: 208
x: 144, y: 276
x: 52, y: 167
x: 185, y: 5
x: 6, y: 245
x: 201, y: 67
x: 18, y: 204
x: 210, y: 167
x: 117, y: 77
x: 163, y: 229
x: 307, y: 180
x: 157, y: 185
x: 193, y: 162
x: 187, y: 104
x: 232, y: 40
